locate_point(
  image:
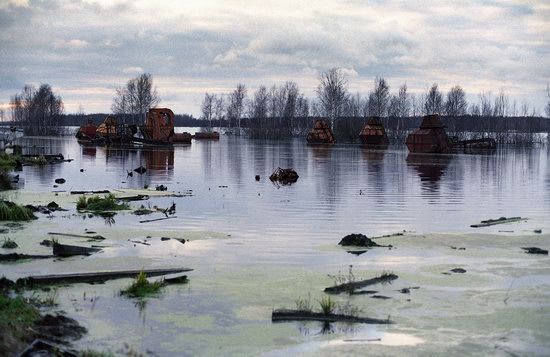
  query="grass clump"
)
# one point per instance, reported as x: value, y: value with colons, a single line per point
x: 141, y: 287
x: 304, y: 304
x: 327, y: 305
x: 99, y: 204
x: 8, y: 160
x: 142, y: 211
x: 9, y: 244
x: 10, y: 211
x: 17, y: 317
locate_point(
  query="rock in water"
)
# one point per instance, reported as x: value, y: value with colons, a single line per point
x: 358, y: 239
x: 535, y: 250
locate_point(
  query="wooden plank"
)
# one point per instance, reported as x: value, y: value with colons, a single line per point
x: 298, y: 315
x: 501, y: 220
x: 156, y: 219
x: 94, y: 277
x: 350, y: 287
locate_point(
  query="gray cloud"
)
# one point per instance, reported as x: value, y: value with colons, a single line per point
x: 84, y: 49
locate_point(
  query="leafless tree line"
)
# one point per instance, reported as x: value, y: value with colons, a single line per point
x: 38, y: 111
x: 286, y: 111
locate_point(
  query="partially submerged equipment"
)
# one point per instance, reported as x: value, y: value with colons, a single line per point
x: 284, y: 176
x: 159, y: 128
x: 200, y: 135
x: 430, y: 137
x: 373, y: 133
x: 321, y: 133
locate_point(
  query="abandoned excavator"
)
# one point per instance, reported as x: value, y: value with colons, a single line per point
x: 158, y: 129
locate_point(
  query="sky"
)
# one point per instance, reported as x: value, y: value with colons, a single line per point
x: 86, y: 49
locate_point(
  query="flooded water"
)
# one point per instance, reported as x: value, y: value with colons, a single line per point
x: 256, y: 246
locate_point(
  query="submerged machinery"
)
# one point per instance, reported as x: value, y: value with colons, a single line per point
x: 321, y: 133
x: 158, y: 129
x: 373, y: 133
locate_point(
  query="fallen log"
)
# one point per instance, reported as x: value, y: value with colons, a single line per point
x: 156, y: 219
x: 65, y: 250
x: 352, y: 286
x: 535, y: 250
x: 501, y: 220
x: 95, y: 277
x: 133, y: 198
x: 299, y: 315
x: 12, y: 257
x: 95, y: 237
x: 90, y: 192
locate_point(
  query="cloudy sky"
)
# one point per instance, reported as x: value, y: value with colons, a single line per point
x: 85, y: 49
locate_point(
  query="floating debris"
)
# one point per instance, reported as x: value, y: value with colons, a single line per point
x: 501, y: 220
x: 140, y: 170
x: 284, y: 176
x: 65, y: 250
x: 354, y: 285
x: 300, y: 315
x: 534, y: 250
x: 94, y: 277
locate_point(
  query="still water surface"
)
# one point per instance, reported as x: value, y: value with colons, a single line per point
x: 256, y: 246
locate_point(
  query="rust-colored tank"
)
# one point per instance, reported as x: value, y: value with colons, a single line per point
x: 159, y: 128
x: 86, y: 132
x: 430, y: 137
x: 320, y: 134
x: 373, y: 133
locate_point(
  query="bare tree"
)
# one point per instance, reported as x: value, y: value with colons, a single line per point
x: 524, y: 111
x: 404, y: 102
x: 456, y: 104
x: 302, y: 107
x: 207, y: 107
x: 2, y: 112
x: 485, y: 105
x: 379, y: 98
x: 475, y: 110
x: 434, y: 101
x: 260, y: 103
x: 354, y: 107
x: 501, y: 106
x: 393, y: 107
x: 38, y: 111
x: 235, y: 106
x: 547, y: 108
x: 138, y: 96
x: 332, y: 94
x: 121, y: 103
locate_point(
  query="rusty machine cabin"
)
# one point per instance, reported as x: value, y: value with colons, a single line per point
x: 373, y: 133
x: 430, y: 137
x: 321, y: 133
x: 159, y: 128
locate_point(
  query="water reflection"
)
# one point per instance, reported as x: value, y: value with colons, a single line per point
x: 430, y: 169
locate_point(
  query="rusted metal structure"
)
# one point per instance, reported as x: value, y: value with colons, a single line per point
x: 159, y: 128
x: 321, y: 133
x: 373, y: 133
x: 430, y: 137
x: 86, y: 133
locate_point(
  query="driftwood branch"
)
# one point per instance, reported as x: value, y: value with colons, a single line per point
x: 95, y: 277
x: 299, y: 315
x: 348, y: 287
